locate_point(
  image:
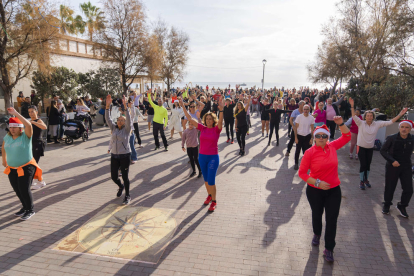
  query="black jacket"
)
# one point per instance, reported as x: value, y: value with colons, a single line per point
x: 398, y: 149
x: 25, y: 110
x: 228, y: 112
x: 53, y: 115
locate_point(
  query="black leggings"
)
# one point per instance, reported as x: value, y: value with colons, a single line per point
x: 123, y: 164
x: 291, y: 141
x: 365, y: 159
x: 241, y: 136
x: 37, y: 149
x: 392, y: 174
x: 274, y: 125
x: 21, y: 186
x: 303, y: 144
x: 136, y: 130
x: 90, y: 122
x: 330, y: 202
x: 289, y: 126
x: 332, y: 127
x: 159, y: 127
x: 229, y: 123
x: 193, y: 155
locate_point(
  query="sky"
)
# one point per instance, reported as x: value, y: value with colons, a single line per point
x: 229, y: 39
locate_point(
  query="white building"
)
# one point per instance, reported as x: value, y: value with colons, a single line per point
x: 73, y: 53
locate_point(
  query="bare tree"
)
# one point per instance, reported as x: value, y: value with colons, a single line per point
x: 125, y: 39
x: 26, y: 40
x: 174, y: 47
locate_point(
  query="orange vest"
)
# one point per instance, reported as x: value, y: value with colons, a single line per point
x: 20, y: 172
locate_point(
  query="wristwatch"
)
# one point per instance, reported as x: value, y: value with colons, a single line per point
x: 342, y: 124
x: 317, y: 182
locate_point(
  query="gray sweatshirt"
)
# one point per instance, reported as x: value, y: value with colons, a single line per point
x: 120, y: 137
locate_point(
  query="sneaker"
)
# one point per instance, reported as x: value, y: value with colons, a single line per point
x: 356, y: 157
x: 362, y: 185
x: 20, y: 213
x: 199, y: 175
x: 402, y: 210
x: 268, y: 144
x: 41, y: 184
x: 228, y: 140
x: 386, y: 209
x: 133, y: 162
x: 242, y: 153
x: 247, y: 133
x: 166, y: 149
x: 212, y: 206
x: 296, y: 167
x: 140, y: 147
x: 120, y: 190
x: 27, y: 215
x: 267, y: 135
x: 287, y: 153
x: 367, y: 184
x: 208, y: 199
x: 156, y: 148
x: 350, y: 156
x: 192, y: 174
x: 316, y: 240
x: 232, y: 141
x: 127, y: 200
x: 328, y: 255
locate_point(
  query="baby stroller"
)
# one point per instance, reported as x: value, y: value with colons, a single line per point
x: 75, y: 129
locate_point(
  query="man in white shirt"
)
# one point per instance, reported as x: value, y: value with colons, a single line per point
x: 304, y: 125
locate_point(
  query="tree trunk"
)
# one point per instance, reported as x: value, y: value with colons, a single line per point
x: 8, y: 98
x: 333, y: 88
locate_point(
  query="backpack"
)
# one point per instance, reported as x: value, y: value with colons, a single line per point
x: 377, y: 145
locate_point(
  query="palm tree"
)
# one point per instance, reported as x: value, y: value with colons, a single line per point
x: 95, y: 18
x: 69, y: 23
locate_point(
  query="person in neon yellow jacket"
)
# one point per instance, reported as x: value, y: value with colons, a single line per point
x: 160, y: 121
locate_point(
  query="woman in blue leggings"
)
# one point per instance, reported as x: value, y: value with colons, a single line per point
x: 208, y: 156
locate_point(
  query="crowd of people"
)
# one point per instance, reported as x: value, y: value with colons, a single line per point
x: 311, y: 117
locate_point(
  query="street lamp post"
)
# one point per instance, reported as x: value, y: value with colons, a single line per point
x: 264, y: 63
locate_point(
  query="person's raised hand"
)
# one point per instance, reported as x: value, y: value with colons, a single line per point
x: 324, y: 186
x: 108, y: 101
x: 124, y: 102
x: 351, y: 101
x: 403, y: 111
x: 12, y: 111
x: 338, y: 120
x: 221, y: 103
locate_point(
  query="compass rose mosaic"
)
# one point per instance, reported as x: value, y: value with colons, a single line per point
x: 126, y: 232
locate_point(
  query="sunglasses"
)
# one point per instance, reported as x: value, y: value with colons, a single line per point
x: 192, y: 106
x: 323, y: 136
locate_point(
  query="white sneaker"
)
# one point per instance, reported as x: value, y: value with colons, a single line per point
x: 41, y: 184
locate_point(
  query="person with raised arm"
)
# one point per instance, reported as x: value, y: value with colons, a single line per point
x: 367, y: 132
x: 17, y: 157
x: 120, y: 147
x: 208, y: 157
x: 160, y: 122
x: 323, y: 190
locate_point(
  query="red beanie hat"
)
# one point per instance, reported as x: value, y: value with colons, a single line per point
x: 15, y: 122
x: 323, y: 129
x: 408, y: 122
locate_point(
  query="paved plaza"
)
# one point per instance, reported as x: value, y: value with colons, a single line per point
x: 262, y: 224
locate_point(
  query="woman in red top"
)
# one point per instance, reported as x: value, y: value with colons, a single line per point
x: 323, y: 191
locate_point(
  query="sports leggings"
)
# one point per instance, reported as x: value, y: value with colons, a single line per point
x: 209, y: 165
x: 193, y: 155
x: 21, y: 186
x: 136, y: 130
x: 229, y: 123
x: 241, y: 136
x: 365, y: 159
x: 275, y: 126
x: 121, y: 161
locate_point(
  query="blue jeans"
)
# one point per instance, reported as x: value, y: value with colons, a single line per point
x: 133, y: 151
